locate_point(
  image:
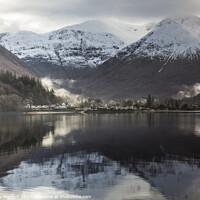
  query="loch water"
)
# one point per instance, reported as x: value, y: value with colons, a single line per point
x: 119, y: 156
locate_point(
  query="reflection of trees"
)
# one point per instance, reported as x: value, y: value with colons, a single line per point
x: 22, y: 131
x: 123, y: 137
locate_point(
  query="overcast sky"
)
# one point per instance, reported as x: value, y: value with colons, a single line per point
x: 46, y: 15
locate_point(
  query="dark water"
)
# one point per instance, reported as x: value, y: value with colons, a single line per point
x: 100, y: 157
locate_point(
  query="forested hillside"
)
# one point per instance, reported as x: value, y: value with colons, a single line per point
x: 16, y: 92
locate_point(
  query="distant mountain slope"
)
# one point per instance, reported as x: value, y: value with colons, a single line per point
x: 65, y: 52
x: 161, y: 63
x: 10, y: 62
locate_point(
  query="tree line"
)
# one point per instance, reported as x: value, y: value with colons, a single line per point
x: 150, y: 102
x: 17, y: 91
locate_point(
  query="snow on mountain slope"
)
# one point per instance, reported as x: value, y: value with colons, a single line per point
x: 87, y: 44
x: 172, y: 39
x: 127, y: 32
x: 63, y: 47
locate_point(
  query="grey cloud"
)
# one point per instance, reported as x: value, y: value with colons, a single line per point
x: 8, y: 26
x: 68, y: 11
x: 106, y: 8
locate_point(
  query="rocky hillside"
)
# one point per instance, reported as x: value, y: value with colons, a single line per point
x: 10, y: 62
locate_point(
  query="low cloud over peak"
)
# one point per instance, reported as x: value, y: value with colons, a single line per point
x: 45, y: 15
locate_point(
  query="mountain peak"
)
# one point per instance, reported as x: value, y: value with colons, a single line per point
x: 173, y: 39
x: 127, y: 32
x: 183, y: 20
x: 94, y: 26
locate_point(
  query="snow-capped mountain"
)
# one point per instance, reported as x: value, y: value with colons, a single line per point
x: 161, y: 63
x: 63, y: 47
x: 88, y: 44
x: 172, y: 39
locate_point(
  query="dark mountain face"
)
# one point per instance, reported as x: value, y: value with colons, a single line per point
x: 10, y: 62
x: 138, y: 78
x: 54, y: 71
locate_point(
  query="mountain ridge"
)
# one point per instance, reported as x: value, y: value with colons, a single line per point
x: 176, y: 38
x: 79, y: 46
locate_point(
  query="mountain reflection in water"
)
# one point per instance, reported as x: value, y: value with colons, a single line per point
x: 104, y: 156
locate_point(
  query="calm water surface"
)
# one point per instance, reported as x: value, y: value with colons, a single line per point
x: 140, y: 156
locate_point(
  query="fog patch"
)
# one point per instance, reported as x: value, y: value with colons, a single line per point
x: 59, y: 91
x: 189, y: 91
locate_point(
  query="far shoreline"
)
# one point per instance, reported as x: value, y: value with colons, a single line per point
x: 71, y: 112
